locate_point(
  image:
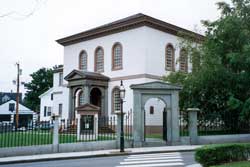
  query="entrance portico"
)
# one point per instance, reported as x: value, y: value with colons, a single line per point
x: 87, y: 87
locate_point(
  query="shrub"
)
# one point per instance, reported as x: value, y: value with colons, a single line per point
x: 222, y: 153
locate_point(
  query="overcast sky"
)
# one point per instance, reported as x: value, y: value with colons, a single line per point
x: 31, y: 40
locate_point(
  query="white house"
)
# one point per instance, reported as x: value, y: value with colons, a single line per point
x: 46, y: 105
x: 8, y: 112
x: 136, y: 49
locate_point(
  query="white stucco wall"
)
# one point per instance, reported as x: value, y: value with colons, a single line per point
x: 156, y: 42
x: 155, y: 119
x: 133, y: 43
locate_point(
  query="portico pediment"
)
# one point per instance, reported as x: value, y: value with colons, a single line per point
x: 88, y: 108
x: 157, y: 85
x: 77, y: 74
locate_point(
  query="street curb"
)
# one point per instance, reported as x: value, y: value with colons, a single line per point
x: 91, y: 156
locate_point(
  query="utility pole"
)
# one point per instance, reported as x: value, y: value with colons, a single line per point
x: 17, y: 94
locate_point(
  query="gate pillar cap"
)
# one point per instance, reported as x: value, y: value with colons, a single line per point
x: 119, y: 113
x: 193, y: 109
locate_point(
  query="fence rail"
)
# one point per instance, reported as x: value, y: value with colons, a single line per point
x: 222, y: 123
x: 106, y: 129
x: 70, y: 131
x: 128, y: 128
x: 215, y: 123
x: 37, y: 133
x: 183, y: 123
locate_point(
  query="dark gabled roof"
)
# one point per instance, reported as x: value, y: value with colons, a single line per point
x: 127, y: 23
x: 9, y: 96
x: 77, y: 74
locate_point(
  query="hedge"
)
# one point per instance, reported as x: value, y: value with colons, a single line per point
x: 222, y: 153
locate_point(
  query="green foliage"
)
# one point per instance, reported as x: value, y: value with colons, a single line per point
x: 235, y: 164
x: 219, y: 82
x: 176, y: 78
x: 41, y: 81
x: 218, y: 154
x: 245, y: 114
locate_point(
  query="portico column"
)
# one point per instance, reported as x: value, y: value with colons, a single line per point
x: 106, y: 102
x: 86, y: 94
x: 71, y: 98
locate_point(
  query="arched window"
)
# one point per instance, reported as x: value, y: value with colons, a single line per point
x: 83, y: 58
x: 183, y: 60
x: 99, y: 60
x: 81, y: 98
x: 117, y: 56
x: 169, y: 58
x: 116, y: 105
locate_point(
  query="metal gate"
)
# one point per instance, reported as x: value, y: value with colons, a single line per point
x: 164, y: 131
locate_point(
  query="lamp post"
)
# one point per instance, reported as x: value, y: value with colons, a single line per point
x: 122, y: 96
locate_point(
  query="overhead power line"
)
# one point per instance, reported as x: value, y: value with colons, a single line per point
x: 20, y: 16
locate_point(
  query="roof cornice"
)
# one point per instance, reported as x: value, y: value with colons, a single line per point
x: 128, y: 23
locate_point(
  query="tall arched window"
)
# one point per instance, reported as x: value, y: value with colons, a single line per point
x: 169, y: 58
x: 117, y: 56
x: 116, y: 104
x: 81, y: 98
x: 183, y: 60
x: 83, y: 60
x: 99, y: 60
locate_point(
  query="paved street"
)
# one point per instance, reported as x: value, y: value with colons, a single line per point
x: 141, y: 160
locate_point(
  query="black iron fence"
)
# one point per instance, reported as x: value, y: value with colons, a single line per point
x: 216, y: 123
x: 183, y: 122
x: 128, y: 125
x: 219, y: 123
x: 88, y: 128
x: 36, y: 133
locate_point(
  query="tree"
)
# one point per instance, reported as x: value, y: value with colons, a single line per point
x: 221, y: 85
x: 41, y: 81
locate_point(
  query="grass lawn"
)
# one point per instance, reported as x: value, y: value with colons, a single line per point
x: 206, y: 132
x: 236, y: 164
x: 27, y: 138
x: 72, y: 138
x: 42, y: 137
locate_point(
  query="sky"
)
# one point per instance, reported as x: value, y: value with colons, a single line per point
x: 29, y: 28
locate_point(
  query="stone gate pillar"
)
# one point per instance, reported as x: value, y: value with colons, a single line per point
x: 192, y: 125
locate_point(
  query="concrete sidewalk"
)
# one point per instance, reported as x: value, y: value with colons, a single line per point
x: 101, y: 153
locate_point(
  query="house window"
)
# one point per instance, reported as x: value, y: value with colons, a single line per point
x: 169, y: 58
x: 49, y: 111
x: 51, y: 96
x: 117, y: 56
x: 45, y: 111
x: 81, y: 98
x: 183, y: 61
x: 60, y: 106
x: 11, y: 107
x: 151, y: 110
x: 60, y: 79
x: 83, y: 60
x: 116, y: 104
x: 99, y: 60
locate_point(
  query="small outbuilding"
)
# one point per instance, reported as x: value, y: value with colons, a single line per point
x: 8, y: 113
